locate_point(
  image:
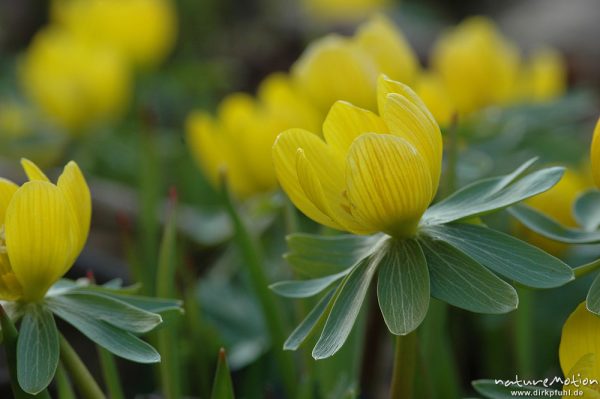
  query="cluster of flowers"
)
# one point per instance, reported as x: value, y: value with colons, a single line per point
x: 78, y: 70
x: 472, y: 67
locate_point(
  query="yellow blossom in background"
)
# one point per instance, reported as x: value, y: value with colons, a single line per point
x: 143, y: 31
x: 477, y: 64
x: 436, y: 97
x: 558, y: 204
x: 342, y: 10
x: 346, y: 68
x: 13, y: 119
x: 579, y: 351
x: 73, y: 83
x: 595, y: 155
x: 372, y: 172
x: 544, y: 76
x: 43, y: 228
x: 240, y: 137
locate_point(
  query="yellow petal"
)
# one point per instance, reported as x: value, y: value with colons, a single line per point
x: 388, y: 183
x: 285, y: 152
x: 345, y: 122
x: 32, y: 170
x: 75, y: 188
x: 406, y: 120
x: 7, y: 190
x: 431, y: 89
x: 38, y: 236
x: 580, y: 337
x: 584, y: 368
x: 334, y: 68
x: 595, y: 154
x: 387, y: 45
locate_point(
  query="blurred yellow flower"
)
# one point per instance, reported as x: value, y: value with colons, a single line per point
x: 239, y: 139
x: 544, y: 76
x: 372, y: 172
x: 579, y: 351
x: 342, y: 68
x: 436, y: 97
x: 43, y: 228
x: 477, y: 64
x: 595, y: 155
x: 342, y: 10
x: 73, y: 83
x: 13, y: 119
x: 556, y: 203
x: 143, y: 31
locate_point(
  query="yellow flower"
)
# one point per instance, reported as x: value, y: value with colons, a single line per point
x: 372, y: 172
x: 74, y: 83
x: 143, y: 31
x: 43, y: 228
x: 239, y: 140
x: 579, y: 350
x: 544, y: 76
x: 341, y: 68
x: 477, y: 64
x: 595, y: 155
x: 342, y: 10
x: 557, y: 203
x: 434, y: 94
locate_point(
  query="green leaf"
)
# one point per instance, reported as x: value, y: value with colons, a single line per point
x: 149, y: 304
x: 345, y: 308
x: 115, y: 340
x: 222, y: 386
x: 112, y: 311
x: 550, y: 228
x: 403, y: 286
x: 593, y: 296
x: 306, y: 288
x: 587, y: 210
x: 317, y: 256
x: 309, y: 324
x: 484, y: 196
x: 504, y: 254
x: 10, y: 338
x: 37, y: 349
x: 491, y: 390
x: 464, y: 283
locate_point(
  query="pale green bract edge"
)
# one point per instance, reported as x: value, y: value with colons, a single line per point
x: 587, y: 210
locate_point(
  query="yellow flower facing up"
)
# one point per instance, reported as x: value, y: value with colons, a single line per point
x: 372, y: 172
x: 73, y: 83
x: 143, y: 31
x: 595, y: 155
x: 558, y: 204
x: 579, y: 351
x: 544, y: 76
x: 43, y: 228
x: 239, y: 139
x: 477, y: 64
x: 342, y: 68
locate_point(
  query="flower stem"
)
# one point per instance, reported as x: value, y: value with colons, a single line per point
x: 584, y: 270
x: 80, y: 375
x: 273, y: 315
x: 110, y: 373
x: 404, y: 366
x: 524, y: 339
x: 63, y: 385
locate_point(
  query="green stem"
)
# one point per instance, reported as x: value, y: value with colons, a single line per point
x: 63, y: 385
x: 524, y: 332
x: 80, y: 375
x: 405, y: 359
x: 274, y: 317
x: 583, y: 270
x: 452, y: 152
x: 10, y: 335
x: 110, y: 373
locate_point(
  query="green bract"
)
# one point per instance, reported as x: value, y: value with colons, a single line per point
x: 108, y: 315
x: 449, y: 259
